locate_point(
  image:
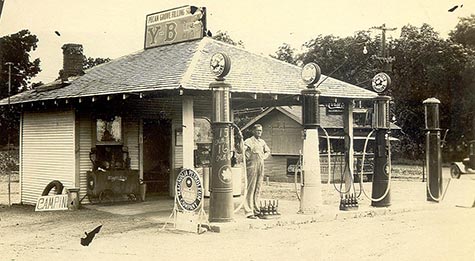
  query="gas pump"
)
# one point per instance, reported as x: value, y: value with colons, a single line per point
x: 433, y: 151
x: 221, y: 189
x: 311, y: 196
x: 380, y: 196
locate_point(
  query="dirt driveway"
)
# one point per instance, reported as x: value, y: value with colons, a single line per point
x: 430, y: 233
x: 447, y: 234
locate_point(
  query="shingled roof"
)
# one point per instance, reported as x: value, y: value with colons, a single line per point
x: 186, y: 65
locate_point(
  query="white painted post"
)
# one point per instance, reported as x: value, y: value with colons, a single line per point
x: 188, y: 132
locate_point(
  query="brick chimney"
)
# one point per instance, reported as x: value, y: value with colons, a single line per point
x: 72, y: 61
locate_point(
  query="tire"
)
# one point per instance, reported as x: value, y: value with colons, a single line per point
x: 455, y: 172
x: 56, y: 184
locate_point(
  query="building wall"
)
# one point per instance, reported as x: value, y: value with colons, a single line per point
x: 47, y: 151
x: 284, y: 136
x: 85, y: 128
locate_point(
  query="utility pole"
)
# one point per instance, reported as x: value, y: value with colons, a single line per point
x: 384, y: 58
x: 8, y: 126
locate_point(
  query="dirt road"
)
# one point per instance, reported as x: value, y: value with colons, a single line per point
x: 418, y: 235
x: 435, y: 233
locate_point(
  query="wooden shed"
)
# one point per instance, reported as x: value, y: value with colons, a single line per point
x: 283, y: 132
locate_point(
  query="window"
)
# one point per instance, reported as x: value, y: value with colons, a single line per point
x: 109, y: 130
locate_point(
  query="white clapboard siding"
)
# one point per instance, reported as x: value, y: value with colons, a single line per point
x: 85, y: 144
x: 47, y: 152
x: 131, y: 133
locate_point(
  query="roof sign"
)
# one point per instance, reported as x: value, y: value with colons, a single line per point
x: 175, y: 25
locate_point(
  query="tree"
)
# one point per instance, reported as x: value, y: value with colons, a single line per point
x: 428, y: 66
x: 285, y: 53
x: 464, y: 32
x: 343, y: 58
x: 15, y: 48
x: 225, y: 37
x: 425, y: 66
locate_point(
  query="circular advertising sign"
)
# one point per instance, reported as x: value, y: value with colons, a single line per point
x: 380, y: 82
x: 189, y: 190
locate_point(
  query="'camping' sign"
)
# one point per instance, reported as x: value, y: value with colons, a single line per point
x: 50, y: 203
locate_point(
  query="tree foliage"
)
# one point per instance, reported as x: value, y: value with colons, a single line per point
x: 15, y: 49
x: 343, y: 58
x: 91, y: 62
x: 285, y: 53
x: 464, y: 32
x: 226, y: 38
x: 428, y: 66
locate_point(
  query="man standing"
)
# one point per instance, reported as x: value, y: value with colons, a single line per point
x: 256, y: 151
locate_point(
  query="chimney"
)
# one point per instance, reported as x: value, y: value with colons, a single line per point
x: 72, y: 61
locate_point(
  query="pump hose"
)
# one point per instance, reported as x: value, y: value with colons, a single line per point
x: 328, y: 153
x: 243, y: 168
x: 362, y: 168
x: 342, y: 176
x: 428, y: 188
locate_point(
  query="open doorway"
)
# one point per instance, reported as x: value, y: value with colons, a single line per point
x: 156, y: 155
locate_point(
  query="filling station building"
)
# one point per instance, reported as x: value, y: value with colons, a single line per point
x: 143, y: 115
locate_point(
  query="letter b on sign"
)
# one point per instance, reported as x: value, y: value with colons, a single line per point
x: 171, y: 32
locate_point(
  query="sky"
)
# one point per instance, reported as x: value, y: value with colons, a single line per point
x: 113, y: 28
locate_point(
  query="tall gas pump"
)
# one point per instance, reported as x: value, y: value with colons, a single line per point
x: 311, y: 195
x: 433, y: 151
x: 221, y: 205
x: 380, y: 195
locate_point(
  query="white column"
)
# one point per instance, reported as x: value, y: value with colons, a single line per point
x: 188, y: 132
x: 311, y: 191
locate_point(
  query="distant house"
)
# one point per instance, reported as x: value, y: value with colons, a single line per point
x: 283, y: 132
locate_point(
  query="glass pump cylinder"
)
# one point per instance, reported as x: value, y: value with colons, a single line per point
x: 310, y: 108
x: 381, y: 112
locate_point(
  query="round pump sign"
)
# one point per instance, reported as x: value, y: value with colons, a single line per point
x: 189, y: 190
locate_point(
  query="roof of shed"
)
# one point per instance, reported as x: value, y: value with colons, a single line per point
x: 186, y: 65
